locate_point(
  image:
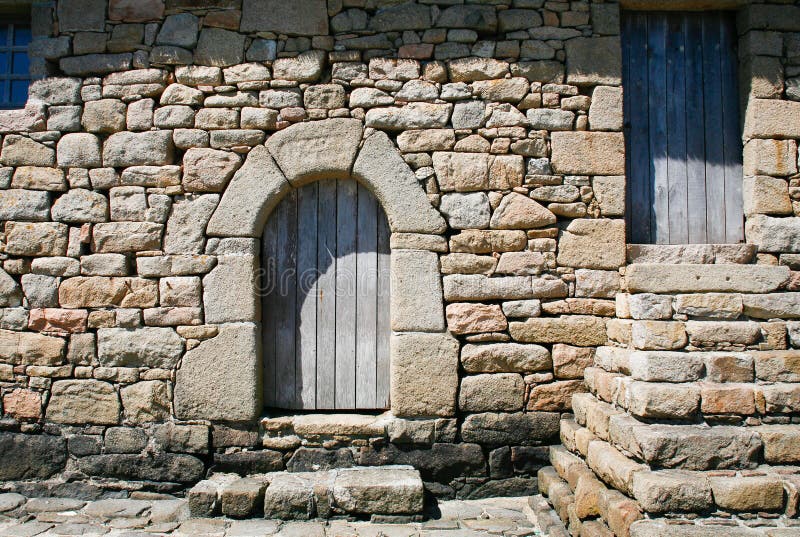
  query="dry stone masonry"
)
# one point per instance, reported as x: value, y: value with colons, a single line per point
x: 647, y: 385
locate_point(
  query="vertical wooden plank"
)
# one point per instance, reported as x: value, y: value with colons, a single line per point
x: 638, y: 156
x: 712, y: 93
x: 731, y: 139
x: 326, y: 293
x: 306, y: 335
x: 695, y: 132
x: 285, y: 308
x: 676, y: 130
x: 657, y: 99
x: 384, y: 330
x: 269, y: 278
x: 626, y: 114
x: 346, y: 275
x: 366, y: 298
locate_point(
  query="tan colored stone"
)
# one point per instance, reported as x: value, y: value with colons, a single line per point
x: 29, y: 348
x: 146, y: 402
x: 83, y: 401
x: 612, y: 466
x: 461, y: 172
x: 780, y: 443
x: 521, y: 263
x: 461, y: 263
x: 661, y: 400
x: 766, y: 195
x: 23, y: 404
x: 506, y: 171
x: 665, y: 278
x: 468, y: 318
x: 713, y: 305
x: 579, y: 330
x: 555, y: 396
x: 570, y: 362
x: 711, y: 332
x: 658, y: 335
x: 103, y: 292
x: 588, y: 153
x: 504, y: 358
x: 483, y: 242
x: 57, y: 320
x: 727, y: 398
x: 770, y: 157
x: 752, y: 493
x: 767, y: 118
x: 592, y: 243
x: 36, y: 239
x: 433, y: 357
x: 520, y: 212
x: 501, y: 392
x: 426, y: 140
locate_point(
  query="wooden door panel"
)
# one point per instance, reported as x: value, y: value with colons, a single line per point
x: 326, y: 315
x: 683, y: 149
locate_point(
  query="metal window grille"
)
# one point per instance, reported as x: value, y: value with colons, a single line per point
x: 14, y: 64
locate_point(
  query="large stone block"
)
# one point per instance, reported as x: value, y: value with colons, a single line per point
x: 469, y: 318
x: 663, y: 279
x: 151, y: 148
x: 412, y: 116
x: 588, y: 153
x: 520, y: 212
x: 36, y: 239
x: 121, y: 237
x: 303, y: 17
x: 505, y: 358
x: 145, y: 402
x: 230, y: 290
x: 306, y: 67
x: 30, y: 348
x: 388, y: 490
x: 139, y: 347
x: 592, y: 243
x: 578, y: 330
x: 672, y: 491
x: 434, y: 356
x: 25, y: 205
x: 219, y: 48
x: 82, y: 402
x: 188, y: 219
x: 594, y: 60
x: 766, y: 118
x: 770, y: 157
x: 416, y: 300
x: 772, y: 306
x: 102, y: 292
x: 28, y: 456
x: 492, y: 428
x: 208, y: 170
x: 316, y: 150
x: 220, y: 379
x: 779, y: 235
x: 382, y: 169
x: 766, y: 195
x: 80, y: 205
x: 464, y: 211
x: 82, y: 15
x: 661, y: 400
x: 501, y: 392
x: 176, y: 468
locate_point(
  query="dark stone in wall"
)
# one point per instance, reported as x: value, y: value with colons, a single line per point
x: 24, y: 456
x: 514, y: 486
x: 314, y: 459
x: 82, y: 15
x: 82, y: 445
x: 298, y: 17
x: 500, y: 463
x: 248, y: 462
x: 529, y: 459
x: 159, y: 467
x: 443, y: 462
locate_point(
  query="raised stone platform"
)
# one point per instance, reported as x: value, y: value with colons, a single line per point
x: 358, y: 491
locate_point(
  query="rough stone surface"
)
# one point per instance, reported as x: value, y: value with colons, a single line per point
x: 437, y: 356
x: 83, y: 401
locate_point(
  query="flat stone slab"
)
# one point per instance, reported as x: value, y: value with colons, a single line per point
x: 387, y: 490
x: 652, y: 278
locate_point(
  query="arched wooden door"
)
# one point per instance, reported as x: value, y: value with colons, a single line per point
x: 325, y: 254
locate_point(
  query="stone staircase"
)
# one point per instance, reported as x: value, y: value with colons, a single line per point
x: 691, y: 422
x: 388, y: 493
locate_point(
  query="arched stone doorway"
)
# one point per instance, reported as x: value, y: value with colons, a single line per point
x: 423, y: 355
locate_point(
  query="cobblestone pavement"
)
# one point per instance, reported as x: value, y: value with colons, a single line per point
x: 46, y: 517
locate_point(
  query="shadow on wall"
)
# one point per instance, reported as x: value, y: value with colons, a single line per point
x: 325, y: 294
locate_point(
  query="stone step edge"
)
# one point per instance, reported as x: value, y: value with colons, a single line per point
x: 304, y: 495
x: 773, y: 440
x: 737, y: 254
x: 546, y: 517
x: 675, y: 491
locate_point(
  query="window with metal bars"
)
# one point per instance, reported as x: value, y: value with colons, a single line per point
x: 14, y: 64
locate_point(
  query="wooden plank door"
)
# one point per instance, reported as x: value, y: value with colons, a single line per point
x: 683, y: 149
x: 325, y: 254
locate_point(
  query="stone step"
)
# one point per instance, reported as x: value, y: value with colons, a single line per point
x: 663, y: 491
x: 689, y: 447
x: 713, y: 366
x: 697, y: 278
x: 357, y: 491
x: 695, y: 254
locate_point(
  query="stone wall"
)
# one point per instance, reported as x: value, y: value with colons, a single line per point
x: 137, y: 181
